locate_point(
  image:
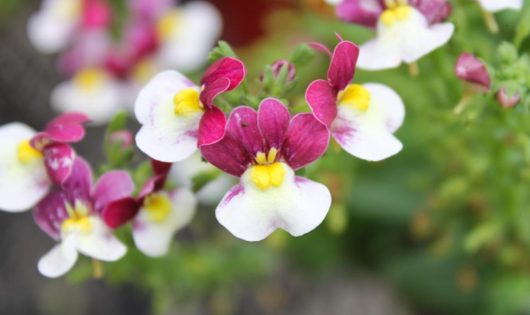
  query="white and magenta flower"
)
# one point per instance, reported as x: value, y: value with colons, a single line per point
x: 264, y: 149
x: 187, y: 33
x: 92, y: 91
x: 498, y: 5
x: 156, y: 214
x: 53, y: 27
x: 30, y: 161
x: 405, y: 30
x: 170, y: 108
x: 70, y: 214
x: 361, y: 118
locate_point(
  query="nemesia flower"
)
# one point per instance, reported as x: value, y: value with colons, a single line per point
x: 183, y: 172
x: 403, y: 34
x: 30, y: 161
x: 91, y: 91
x: 470, y: 69
x: 361, y: 118
x: 156, y: 214
x: 52, y: 27
x: 170, y: 108
x: 187, y: 34
x: 497, y: 5
x: 264, y: 149
x: 70, y: 214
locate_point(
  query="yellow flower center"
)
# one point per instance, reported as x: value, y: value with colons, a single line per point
x: 79, y: 219
x: 267, y: 173
x: 187, y: 102
x: 158, y: 207
x: 89, y: 78
x: 143, y: 71
x: 397, y: 11
x: 356, y: 96
x: 26, y: 153
x: 168, y: 24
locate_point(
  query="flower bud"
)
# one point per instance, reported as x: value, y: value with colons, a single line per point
x: 506, y: 100
x: 277, y: 68
x: 124, y: 137
x: 470, y: 69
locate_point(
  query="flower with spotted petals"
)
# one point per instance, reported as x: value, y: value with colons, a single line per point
x: 156, y: 214
x: 361, y: 117
x: 170, y: 108
x: 264, y: 148
x: 70, y: 214
x: 30, y: 162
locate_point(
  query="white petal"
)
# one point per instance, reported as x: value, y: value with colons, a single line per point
x: 100, y: 103
x: 153, y: 238
x: 51, y: 28
x: 161, y: 88
x: 214, y: 191
x: 59, y: 260
x: 499, y: 5
x: 21, y: 185
x: 368, y: 135
x: 297, y: 206
x: 403, y: 41
x: 167, y: 145
x: 100, y: 243
x: 199, y: 29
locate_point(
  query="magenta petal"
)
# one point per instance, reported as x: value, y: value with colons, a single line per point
x: 435, y: 11
x: 112, y: 186
x: 362, y: 12
x: 120, y: 212
x: 50, y: 213
x: 342, y: 67
x: 160, y: 168
x: 228, y: 155
x: 227, y: 67
x: 319, y: 47
x: 242, y: 126
x: 212, y: 90
x: 469, y: 68
x: 323, y: 101
x: 307, y: 139
x: 273, y: 121
x: 78, y: 186
x: 67, y: 128
x: 212, y: 126
x: 59, y: 159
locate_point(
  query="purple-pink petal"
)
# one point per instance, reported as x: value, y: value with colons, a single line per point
x: 342, y: 66
x: 319, y: 47
x: 78, y: 186
x: 242, y: 126
x: 227, y: 67
x: 212, y: 90
x: 323, y: 101
x: 67, y: 128
x: 120, y: 212
x: 111, y: 186
x: 469, y: 68
x: 50, y: 213
x: 435, y: 11
x: 307, y: 139
x: 59, y: 159
x: 273, y: 121
x: 212, y: 126
x: 362, y: 12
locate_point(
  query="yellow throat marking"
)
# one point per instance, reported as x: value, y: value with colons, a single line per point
x: 79, y: 219
x: 397, y: 11
x: 168, y: 24
x: 26, y: 153
x: 267, y: 173
x: 187, y: 102
x: 158, y: 207
x: 89, y: 79
x: 356, y: 96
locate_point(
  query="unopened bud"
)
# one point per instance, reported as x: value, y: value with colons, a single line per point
x: 470, y: 69
x: 506, y: 100
x: 124, y: 137
x: 277, y: 68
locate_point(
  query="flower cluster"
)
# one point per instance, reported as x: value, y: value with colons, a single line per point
x: 109, y: 52
x: 263, y: 146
